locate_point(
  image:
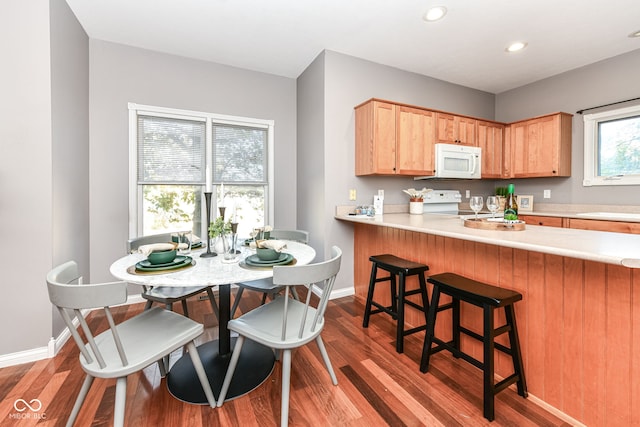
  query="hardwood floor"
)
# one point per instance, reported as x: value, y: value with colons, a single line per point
x: 376, y: 385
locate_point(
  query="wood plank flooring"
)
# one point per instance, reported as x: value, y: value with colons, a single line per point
x: 376, y: 385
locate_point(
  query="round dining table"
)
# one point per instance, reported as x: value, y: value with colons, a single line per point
x: 256, y: 361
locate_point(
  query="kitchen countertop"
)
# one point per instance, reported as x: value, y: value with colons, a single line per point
x: 600, y: 246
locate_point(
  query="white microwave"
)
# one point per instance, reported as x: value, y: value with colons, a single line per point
x: 456, y: 161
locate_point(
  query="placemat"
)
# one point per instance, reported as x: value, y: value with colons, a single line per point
x: 133, y: 270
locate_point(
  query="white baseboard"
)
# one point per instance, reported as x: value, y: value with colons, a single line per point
x: 53, y: 346
x: 345, y: 292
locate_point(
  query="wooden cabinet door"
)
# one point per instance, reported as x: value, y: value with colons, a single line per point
x: 541, y: 147
x: 415, y: 140
x: 453, y: 129
x: 375, y: 138
x: 467, y: 131
x: 548, y: 221
x: 490, y: 140
x: 599, y: 225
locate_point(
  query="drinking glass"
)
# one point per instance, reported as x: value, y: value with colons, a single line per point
x: 475, y: 204
x: 493, y: 204
x: 184, y: 242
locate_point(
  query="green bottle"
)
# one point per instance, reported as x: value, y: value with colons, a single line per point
x: 511, y: 205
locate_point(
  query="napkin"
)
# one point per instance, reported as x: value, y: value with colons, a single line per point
x: 153, y: 247
x: 277, y: 245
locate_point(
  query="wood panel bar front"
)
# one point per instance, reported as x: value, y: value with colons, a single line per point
x: 579, y: 320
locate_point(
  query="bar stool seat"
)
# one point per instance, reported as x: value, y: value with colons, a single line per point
x: 487, y: 297
x: 402, y: 268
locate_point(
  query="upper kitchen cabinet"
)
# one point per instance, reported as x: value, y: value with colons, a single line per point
x: 491, y: 140
x: 415, y: 144
x: 540, y: 147
x: 393, y: 139
x: 376, y: 138
x: 452, y: 129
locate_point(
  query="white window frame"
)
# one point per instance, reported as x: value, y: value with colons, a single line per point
x: 591, y: 121
x: 135, y: 196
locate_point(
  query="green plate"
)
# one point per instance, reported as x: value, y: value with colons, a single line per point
x: 177, y: 260
x: 142, y: 266
x: 253, y: 260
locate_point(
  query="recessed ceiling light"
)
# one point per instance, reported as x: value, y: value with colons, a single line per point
x: 435, y: 13
x: 635, y: 34
x: 516, y: 47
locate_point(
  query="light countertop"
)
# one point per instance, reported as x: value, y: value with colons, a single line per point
x: 600, y: 246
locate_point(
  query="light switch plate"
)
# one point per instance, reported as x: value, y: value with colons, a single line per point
x: 352, y: 194
x: 547, y: 194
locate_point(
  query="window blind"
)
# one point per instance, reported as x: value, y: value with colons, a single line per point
x: 170, y: 150
x: 239, y: 154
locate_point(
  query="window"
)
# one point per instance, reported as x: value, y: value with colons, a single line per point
x: 176, y: 155
x: 612, y: 147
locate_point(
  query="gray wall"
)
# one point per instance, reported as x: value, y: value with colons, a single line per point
x: 25, y: 175
x: 612, y: 80
x: 70, y: 141
x: 311, y: 154
x: 121, y: 74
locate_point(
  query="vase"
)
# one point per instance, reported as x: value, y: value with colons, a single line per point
x: 218, y: 245
x: 416, y: 206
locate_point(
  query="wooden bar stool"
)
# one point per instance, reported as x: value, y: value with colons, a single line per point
x: 488, y: 297
x: 402, y: 268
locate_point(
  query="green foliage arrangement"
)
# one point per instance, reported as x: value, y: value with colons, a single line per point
x: 218, y: 227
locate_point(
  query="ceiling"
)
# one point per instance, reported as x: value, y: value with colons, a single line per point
x: 466, y: 47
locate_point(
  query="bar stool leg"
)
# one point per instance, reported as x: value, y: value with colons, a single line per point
x: 394, y: 296
x: 425, y: 297
x: 455, y: 325
x: 431, y: 324
x: 488, y: 386
x: 516, y: 355
x: 400, y: 313
x: 367, y: 307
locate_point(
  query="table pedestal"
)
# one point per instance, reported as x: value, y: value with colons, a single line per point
x: 254, y: 366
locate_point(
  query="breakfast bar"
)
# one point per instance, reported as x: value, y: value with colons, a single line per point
x: 579, y: 320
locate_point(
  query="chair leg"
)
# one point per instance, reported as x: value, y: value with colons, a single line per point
x: 148, y: 305
x: 86, y: 385
x: 214, y: 305
x: 286, y: 382
x: 236, y: 302
x: 327, y: 361
x: 232, y: 367
x: 185, y: 309
x: 202, y: 375
x: 294, y: 293
x: 163, y: 365
x: 121, y: 398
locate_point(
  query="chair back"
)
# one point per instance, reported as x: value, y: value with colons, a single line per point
x: 136, y: 242
x: 320, y: 276
x: 67, y: 292
x: 295, y: 235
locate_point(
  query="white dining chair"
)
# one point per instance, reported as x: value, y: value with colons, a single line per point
x: 122, y: 349
x: 168, y: 295
x: 286, y: 323
x: 266, y: 286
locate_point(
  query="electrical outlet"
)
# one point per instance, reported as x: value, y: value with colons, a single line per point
x: 352, y: 194
x: 381, y: 194
x: 468, y: 194
x: 547, y: 194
